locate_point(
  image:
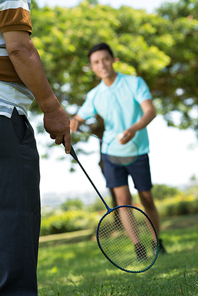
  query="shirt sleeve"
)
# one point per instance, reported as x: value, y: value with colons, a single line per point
x: 142, y: 91
x: 15, y: 16
x: 87, y: 110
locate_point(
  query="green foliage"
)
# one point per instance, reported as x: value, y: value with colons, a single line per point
x: 180, y: 91
x: 68, y: 221
x: 93, y: 2
x: 159, y: 47
x: 183, y: 8
x: 162, y: 191
x: 182, y: 204
x: 72, y: 204
x: 98, y: 206
x: 193, y: 190
x: 74, y: 216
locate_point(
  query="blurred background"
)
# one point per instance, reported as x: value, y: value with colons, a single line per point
x: 156, y: 40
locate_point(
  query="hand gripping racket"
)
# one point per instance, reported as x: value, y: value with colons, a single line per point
x: 125, y: 235
x: 118, y: 160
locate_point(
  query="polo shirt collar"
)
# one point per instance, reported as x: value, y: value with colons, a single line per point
x: 114, y: 84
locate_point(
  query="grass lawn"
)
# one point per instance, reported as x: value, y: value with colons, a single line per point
x: 81, y: 269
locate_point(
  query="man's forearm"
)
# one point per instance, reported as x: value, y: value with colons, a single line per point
x: 28, y: 66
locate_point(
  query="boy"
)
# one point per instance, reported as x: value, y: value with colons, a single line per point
x: 124, y: 102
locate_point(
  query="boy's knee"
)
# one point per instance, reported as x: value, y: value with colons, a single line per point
x: 146, y: 198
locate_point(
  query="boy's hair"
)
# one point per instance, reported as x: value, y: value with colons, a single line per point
x: 100, y: 46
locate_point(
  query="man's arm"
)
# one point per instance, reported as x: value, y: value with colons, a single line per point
x: 149, y: 114
x: 28, y: 66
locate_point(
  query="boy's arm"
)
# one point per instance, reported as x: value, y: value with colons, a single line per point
x: 149, y: 114
x: 75, y: 122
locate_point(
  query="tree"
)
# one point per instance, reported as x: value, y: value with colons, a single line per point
x: 162, y: 191
x: 177, y: 87
x: 159, y: 47
x: 72, y: 204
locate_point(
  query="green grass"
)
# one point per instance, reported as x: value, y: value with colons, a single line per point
x: 81, y: 269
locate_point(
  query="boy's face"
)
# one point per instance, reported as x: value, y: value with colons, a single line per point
x: 102, y: 64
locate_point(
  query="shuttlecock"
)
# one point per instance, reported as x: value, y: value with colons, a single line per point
x: 119, y: 136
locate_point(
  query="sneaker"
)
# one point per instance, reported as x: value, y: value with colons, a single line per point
x: 140, y: 251
x: 161, y: 248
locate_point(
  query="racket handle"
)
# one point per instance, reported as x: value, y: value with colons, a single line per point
x: 73, y: 154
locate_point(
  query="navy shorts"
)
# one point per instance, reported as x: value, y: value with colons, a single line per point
x: 117, y: 175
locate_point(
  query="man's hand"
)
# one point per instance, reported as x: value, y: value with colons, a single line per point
x: 57, y: 124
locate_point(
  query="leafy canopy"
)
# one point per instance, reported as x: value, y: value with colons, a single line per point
x: 160, y: 47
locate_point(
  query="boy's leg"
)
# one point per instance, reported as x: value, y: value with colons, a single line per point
x: 147, y: 201
x: 123, y: 195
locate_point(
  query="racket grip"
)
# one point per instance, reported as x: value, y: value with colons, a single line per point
x: 72, y: 152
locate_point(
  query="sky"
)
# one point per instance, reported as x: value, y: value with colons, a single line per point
x: 172, y: 160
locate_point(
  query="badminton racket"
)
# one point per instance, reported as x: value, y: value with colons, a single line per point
x: 114, y: 145
x: 125, y: 235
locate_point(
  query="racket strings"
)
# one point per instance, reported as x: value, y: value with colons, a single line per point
x: 125, y: 234
x: 140, y: 251
x: 122, y: 159
x: 127, y: 239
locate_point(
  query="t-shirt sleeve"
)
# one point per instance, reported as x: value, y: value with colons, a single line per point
x: 15, y: 16
x: 142, y: 91
x: 87, y: 110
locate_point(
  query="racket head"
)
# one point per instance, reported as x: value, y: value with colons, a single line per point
x: 119, y: 158
x: 118, y: 240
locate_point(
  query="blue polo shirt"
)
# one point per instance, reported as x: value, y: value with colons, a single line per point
x: 119, y: 106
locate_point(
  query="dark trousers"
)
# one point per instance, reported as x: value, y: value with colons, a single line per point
x: 19, y: 207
